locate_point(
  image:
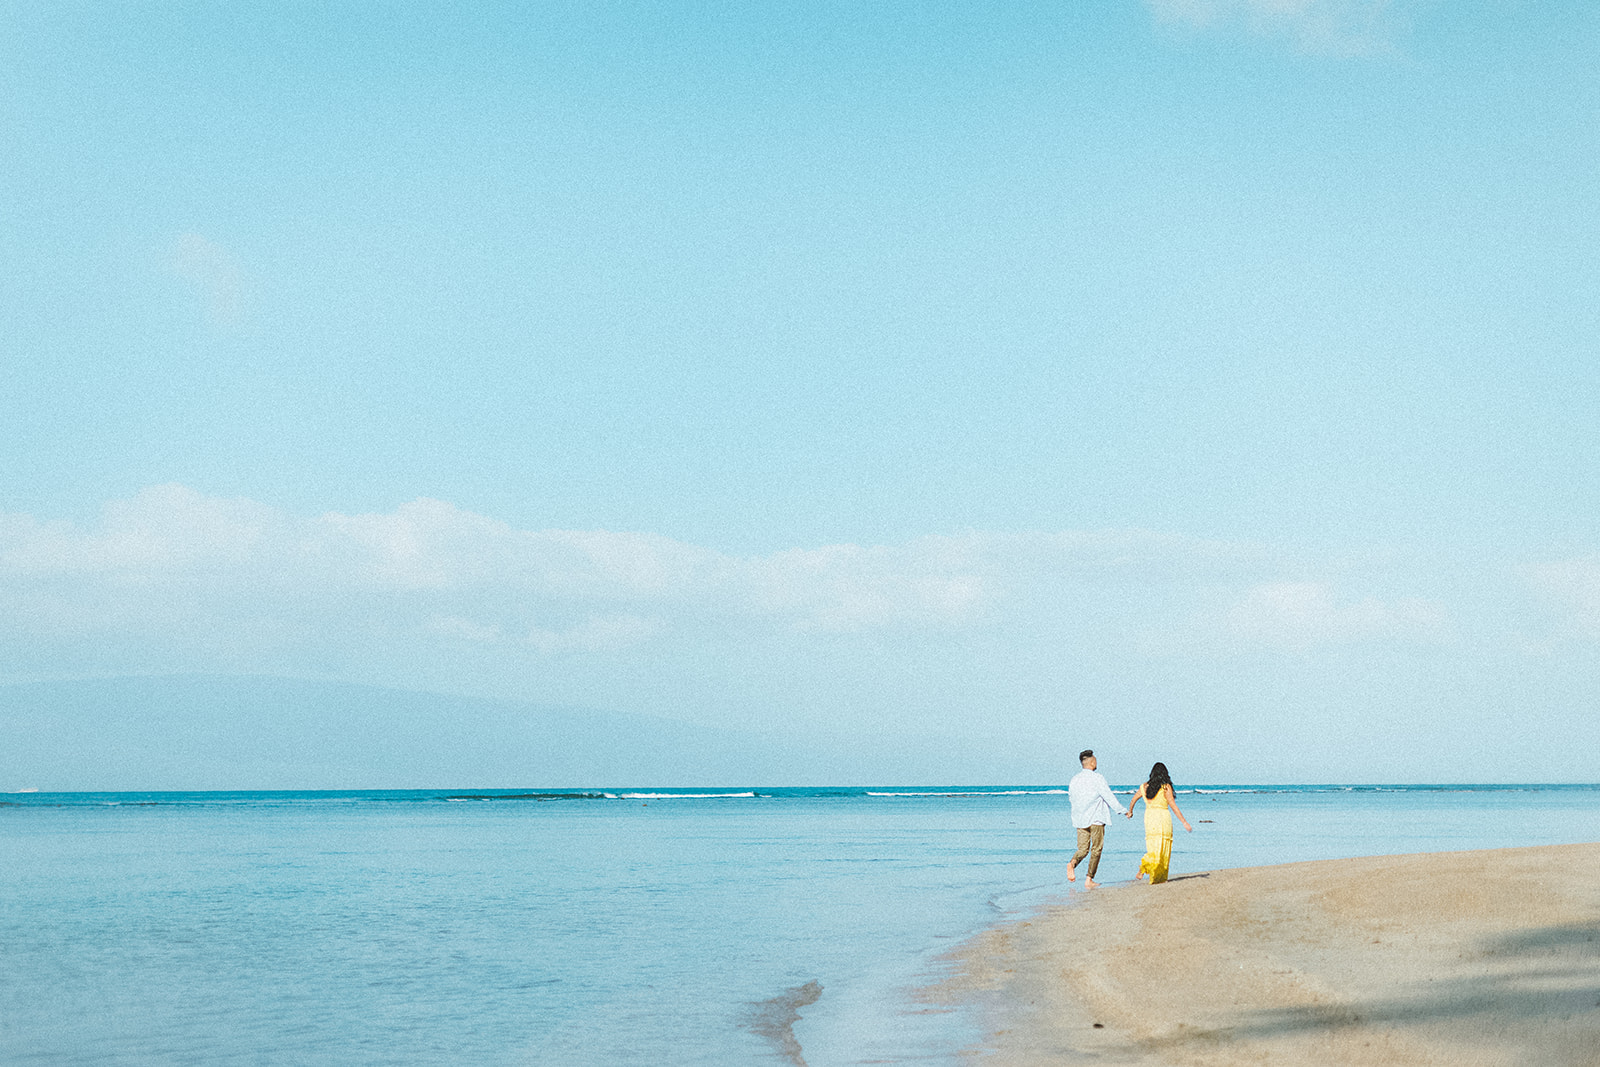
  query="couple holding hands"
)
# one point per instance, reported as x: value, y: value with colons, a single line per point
x: 1092, y: 804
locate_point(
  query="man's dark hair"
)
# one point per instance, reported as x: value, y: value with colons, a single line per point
x: 1085, y: 754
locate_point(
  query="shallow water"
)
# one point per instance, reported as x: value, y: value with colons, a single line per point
x: 614, y: 929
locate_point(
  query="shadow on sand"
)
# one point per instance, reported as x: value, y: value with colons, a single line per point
x: 1538, y: 983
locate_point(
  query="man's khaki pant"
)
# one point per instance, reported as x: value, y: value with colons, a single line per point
x: 1090, y: 841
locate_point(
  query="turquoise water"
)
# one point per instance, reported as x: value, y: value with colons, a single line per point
x: 616, y: 928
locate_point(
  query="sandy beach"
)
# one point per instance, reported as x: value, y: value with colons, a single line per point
x: 1446, y: 958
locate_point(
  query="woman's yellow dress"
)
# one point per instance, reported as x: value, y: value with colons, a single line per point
x: 1157, y: 838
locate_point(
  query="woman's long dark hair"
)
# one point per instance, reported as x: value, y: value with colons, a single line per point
x: 1158, y: 778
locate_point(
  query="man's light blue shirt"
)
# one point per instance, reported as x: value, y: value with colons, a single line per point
x: 1092, y: 799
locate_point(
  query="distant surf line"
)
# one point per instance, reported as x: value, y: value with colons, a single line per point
x: 30, y: 798
x: 974, y: 793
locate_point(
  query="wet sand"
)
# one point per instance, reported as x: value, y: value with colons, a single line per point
x: 1446, y: 958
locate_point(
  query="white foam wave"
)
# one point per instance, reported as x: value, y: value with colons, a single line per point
x: 977, y: 793
x: 680, y: 796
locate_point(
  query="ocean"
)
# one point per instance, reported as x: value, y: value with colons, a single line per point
x: 604, y: 927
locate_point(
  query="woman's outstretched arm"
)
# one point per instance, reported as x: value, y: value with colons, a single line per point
x: 1172, y: 802
x: 1137, y: 793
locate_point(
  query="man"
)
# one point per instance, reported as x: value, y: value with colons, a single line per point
x: 1092, y: 804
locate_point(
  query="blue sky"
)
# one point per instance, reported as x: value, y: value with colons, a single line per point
x: 1219, y: 368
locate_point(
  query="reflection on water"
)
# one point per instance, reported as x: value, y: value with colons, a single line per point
x: 774, y: 1019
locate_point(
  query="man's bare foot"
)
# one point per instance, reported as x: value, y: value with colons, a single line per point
x: 1072, y: 872
x: 1090, y: 883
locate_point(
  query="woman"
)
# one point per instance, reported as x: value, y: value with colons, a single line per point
x: 1159, y: 807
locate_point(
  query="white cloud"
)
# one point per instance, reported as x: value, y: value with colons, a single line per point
x: 848, y: 587
x: 1338, y: 27
x: 595, y: 633
x: 1299, y: 615
x: 1573, y: 586
x: 173, y: 568
x: 464, y: 629
x: 214, y: 273
x: 170, y: 549
x: 162, y: 529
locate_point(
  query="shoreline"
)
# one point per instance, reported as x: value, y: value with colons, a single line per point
x: 1484, y: 957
